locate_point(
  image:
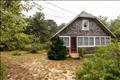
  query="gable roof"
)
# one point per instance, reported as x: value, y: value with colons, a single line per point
x: 85, y: 15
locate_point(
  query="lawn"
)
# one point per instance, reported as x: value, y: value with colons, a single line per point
x: 38, y: 67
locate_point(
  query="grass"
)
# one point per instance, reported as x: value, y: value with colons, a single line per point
x: 2, y: 71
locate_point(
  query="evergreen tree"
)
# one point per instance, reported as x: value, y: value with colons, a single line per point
x: 57, y: 50
x: 37, y: 26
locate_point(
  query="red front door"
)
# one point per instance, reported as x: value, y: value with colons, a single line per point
x: 73, y: 45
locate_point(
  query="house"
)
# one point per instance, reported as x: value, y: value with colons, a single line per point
x: 85, y: 31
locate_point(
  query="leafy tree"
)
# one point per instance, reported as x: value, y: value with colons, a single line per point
x: 38, y: 27
x: 61, y: 26
x: 12, y: 26
x: 115, y: 27
x: 57, y: 50
x: 104, y: 20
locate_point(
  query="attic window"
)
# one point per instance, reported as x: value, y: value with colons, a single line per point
x: 85, y: 24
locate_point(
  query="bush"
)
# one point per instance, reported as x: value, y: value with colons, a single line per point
x: 17, y: 53
x: 57, y: 51
x: 33, y: 50
x: 82, y: 51
x: 104, y: 65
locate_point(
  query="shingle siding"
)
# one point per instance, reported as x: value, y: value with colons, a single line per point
x: 75, y: 29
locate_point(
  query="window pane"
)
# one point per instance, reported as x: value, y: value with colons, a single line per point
x: 91, y: 41
x: 80, y: 41
x: 107, y: 40
x: 97, y: 41
x: 85, y: 25
x: 66, y: 41
x: 85, y: 40
x: 102, y: 40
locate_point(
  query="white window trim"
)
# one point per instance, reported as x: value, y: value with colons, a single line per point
x: 94, y: 41
x: 69, y: 39
x: 83, y: 28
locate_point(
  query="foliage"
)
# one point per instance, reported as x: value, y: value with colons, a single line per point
x: 52, y: 27
x: 104, y: 65
x: 12, y: 26
x: 82, y: 51
x: 57, y: 50
x: 104, y: 20
x: 34, y: 50
x: 115, y: 27
x: 2, y: 71
x: 17, y: 53
x: 37, y: 26
x: 61, y: 26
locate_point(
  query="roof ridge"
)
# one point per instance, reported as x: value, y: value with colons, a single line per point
x: 85, y: 14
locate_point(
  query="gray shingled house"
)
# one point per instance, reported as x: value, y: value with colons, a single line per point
x: 85, y: 31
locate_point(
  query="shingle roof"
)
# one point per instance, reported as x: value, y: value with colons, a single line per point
x: 85, y: 14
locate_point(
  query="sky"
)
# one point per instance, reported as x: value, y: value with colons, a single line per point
x: 110, y: 9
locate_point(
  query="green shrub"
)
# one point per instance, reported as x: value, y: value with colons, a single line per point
x: 82, y: 51
x: 2, y: 71
x: 17, y: 53
x: 104, y: 65
x: 33, y: 50
x: 57, y: 51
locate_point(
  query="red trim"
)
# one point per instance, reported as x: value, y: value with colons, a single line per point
x: 70, y: 44
x: 77, y: 42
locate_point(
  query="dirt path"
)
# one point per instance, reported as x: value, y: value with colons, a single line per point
x: 38, y: 67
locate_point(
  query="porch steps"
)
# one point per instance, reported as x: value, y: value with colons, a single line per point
x: 74, y: 55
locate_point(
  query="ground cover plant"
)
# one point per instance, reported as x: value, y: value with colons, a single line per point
x: 104, y: 65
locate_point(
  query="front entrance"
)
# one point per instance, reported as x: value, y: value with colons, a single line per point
x: 73, y: 45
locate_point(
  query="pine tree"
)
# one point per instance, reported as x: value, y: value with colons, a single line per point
x: 57, y: 50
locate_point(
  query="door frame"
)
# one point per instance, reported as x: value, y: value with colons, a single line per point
x: 76, y: 39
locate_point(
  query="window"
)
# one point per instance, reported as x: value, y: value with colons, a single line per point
x: 102, y: 40
x: 80, y: 41
x: 97, y: 40
x: 92, y: 41
x: 107, y: 40
x: 65, y: 40
x: 85, y: 24
x: 85, y: 40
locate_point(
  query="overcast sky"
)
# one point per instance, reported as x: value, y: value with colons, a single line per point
x: 111, y: 9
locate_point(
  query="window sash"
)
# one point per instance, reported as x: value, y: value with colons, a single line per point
x: 65, y: 40
x: 97, y: 41
x: 85, y: 21
x: 92, y: 41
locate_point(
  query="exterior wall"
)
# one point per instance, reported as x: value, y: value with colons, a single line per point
x: 75, y: 29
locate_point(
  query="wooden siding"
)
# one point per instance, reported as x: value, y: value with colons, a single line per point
x: 75, y: 29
